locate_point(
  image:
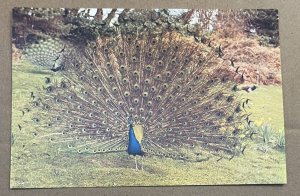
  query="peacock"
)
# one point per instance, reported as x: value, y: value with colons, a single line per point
x: 166, y: 95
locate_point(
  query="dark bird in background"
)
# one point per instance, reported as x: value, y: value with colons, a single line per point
x: 249, y: 89
x: 144, y: 95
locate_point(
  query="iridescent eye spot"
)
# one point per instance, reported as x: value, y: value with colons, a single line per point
x: 126, y: 94
x: 108, y: 64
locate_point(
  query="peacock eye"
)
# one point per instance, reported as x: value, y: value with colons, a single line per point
x: 136, y: 86
x: 148, y: 67
x: 108, y: 64
x: 145, y: 94
x: 230, y: 99
x: 63, y: 85
x: 135, y: 73
x: 230, y: 119
x: 122, y: 67
x: 136, y: 101
x: 111, y: 77
x: 126, y: 93
x: 114, y: 89
x: 153, y: 88
x: 49, y: 89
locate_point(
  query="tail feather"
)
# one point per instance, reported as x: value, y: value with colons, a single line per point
x: 174, y: 87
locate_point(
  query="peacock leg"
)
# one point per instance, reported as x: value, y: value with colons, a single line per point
x: 136, y: 167
x: 142, y: 163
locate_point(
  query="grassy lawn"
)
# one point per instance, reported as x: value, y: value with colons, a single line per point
x: 36, y: 164
x: 266, y: 106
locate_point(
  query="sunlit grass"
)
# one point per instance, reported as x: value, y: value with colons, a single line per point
x: 266, y: 106
x: 37, y: 164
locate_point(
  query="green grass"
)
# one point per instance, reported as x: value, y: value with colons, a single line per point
x: 266, y: 106
x: 37, y: 164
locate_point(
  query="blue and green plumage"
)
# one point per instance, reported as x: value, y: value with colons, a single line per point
x: 134, y: 146
x: 175, y: 91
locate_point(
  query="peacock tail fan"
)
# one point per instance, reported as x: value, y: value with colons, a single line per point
x: 176, y: 89
x: 46, y: 53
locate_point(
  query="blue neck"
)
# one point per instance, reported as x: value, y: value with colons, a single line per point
x: 134, y: 147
